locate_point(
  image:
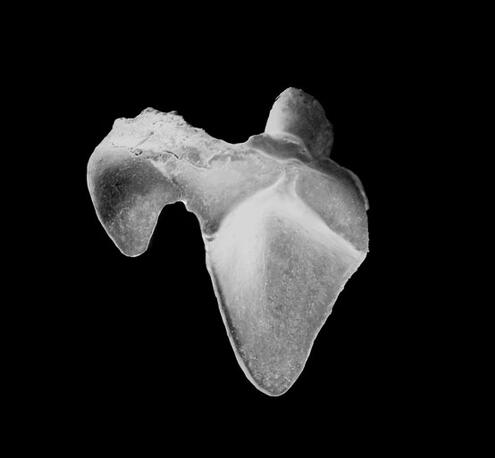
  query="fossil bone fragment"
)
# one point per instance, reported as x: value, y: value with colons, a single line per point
x: 284, y: 227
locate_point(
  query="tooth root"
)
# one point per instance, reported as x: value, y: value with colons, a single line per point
x: 284, y: 227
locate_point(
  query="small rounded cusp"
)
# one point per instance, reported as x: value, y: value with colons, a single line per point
x: 128, y: 194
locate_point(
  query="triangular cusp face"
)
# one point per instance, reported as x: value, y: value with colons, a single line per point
x: 284, y: 227
x: 278, y: 270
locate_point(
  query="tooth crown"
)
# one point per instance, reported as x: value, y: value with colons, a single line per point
x: 284, y: 226
x: 298, y: 116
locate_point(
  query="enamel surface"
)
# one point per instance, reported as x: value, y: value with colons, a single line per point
x: 284, y: 227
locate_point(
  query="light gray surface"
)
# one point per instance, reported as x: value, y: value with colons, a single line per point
x: 284, y: 227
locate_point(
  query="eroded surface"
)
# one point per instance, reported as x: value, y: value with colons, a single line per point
x: 284, y: 226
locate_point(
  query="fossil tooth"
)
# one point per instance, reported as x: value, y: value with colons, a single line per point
x: 284, y: 226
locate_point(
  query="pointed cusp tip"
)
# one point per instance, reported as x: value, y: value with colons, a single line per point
x: 273, y: 391
x: 132, y: 252
x: 296, y: 113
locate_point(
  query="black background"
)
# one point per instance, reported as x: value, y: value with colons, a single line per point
x: 124, y: 340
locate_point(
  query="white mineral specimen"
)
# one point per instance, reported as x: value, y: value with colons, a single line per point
x: 284, y: 227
